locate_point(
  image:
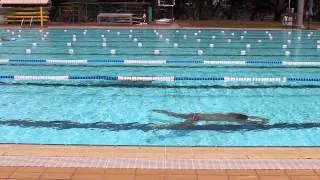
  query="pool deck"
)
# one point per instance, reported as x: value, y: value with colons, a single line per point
x: 189, y: 24
x: 139, y: 162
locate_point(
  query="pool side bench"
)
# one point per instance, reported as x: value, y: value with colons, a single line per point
x: 119, y: 17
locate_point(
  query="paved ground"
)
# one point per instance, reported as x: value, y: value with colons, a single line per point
x: 142, y: 174
x: 224, y: 155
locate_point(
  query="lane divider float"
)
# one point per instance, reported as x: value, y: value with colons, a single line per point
x: 157, y: 78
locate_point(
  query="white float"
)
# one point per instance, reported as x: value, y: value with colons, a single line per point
x: 139, y: 44
x: 243, y: 53
x: 70, y: 51
x: 113, y: 51
x: 156, y: 52
x: 248, y: 45
x: 28, y: 51
x: 104, y: 44
x: 200, y: 52
x: 175, y: 45
x: 34, y: 44
x: 287, y: 53
x: 211, y: 45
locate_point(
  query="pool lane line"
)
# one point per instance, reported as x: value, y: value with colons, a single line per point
x: 156, y: 78
x: 74, y: 62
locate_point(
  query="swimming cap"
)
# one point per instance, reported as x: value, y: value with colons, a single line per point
x: 196, y: 117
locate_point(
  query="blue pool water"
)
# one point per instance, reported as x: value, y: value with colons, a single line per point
x: 120, y: 112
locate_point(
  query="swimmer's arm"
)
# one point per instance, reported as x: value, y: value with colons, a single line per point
x: 173, y: 114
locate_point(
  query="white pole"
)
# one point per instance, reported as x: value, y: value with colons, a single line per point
x: 289, y: 4
x: 300, y: 14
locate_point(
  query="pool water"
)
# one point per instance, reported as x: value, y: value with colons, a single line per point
x: 120, y: 112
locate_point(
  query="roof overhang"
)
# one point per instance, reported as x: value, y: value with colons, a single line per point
x: 5, y: 2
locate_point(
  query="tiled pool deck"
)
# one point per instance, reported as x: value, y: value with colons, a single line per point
x: 121, y: 162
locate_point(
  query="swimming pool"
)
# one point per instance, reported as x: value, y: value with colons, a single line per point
x: 99, y: 86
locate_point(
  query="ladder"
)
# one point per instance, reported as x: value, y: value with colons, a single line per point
x: 22, y: 21
x: 31, y: 22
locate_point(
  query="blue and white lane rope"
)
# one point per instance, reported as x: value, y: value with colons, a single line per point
x: 157, y: 78
x: 152, y: 62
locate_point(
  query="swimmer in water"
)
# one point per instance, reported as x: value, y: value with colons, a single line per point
x: 4, y: 39
x: 191, y: 118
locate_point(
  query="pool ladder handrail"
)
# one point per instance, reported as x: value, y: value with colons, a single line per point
x: 22, y: 21
x: 31, y: 22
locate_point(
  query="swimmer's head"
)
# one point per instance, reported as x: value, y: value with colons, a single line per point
x: 195, y: 117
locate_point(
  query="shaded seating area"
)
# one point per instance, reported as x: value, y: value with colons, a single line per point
x: 125, y: 18
x: 27, y: 15
x: 115, y: 11
x: 26, y: 12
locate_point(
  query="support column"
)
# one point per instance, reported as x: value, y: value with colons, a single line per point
x: 300, y: 14
x: 41, y: 16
